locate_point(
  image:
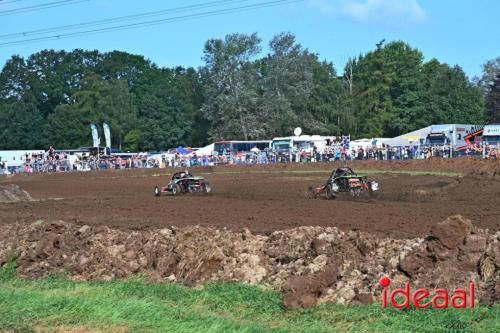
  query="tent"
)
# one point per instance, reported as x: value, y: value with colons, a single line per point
x: 368, y: 143
x: 409, y: 139
x: 204, y: 151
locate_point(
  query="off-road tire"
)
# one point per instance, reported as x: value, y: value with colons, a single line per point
x: 176, y: 189
x: 329, y: 194
x: 157, y: 191
x: 207, y: 188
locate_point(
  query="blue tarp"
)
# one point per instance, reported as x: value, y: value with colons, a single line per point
x: 183, y: 150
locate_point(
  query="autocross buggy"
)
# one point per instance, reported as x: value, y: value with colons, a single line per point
x: 344, y: 180
x: 184, y: 182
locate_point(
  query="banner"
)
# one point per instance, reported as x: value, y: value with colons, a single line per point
x: 95, y: 136
x: 346, y: 142
x: 107, y: 134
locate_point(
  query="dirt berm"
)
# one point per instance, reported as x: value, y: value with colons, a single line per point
x: 310, y: 265
x: 13, y: 193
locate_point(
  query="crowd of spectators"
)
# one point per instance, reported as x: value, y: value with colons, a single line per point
x: 333, y: 152
x: 52, y: 161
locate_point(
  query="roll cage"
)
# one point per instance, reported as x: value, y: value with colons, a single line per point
x: 344, y: 172
x: 181, y: 175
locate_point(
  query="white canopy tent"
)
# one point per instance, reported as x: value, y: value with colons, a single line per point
x: 409, y: 139
x: 204, y: 151
x: 368, y: 143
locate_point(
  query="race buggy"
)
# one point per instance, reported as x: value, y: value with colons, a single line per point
x: 184, y: 182
x: 344, y: 180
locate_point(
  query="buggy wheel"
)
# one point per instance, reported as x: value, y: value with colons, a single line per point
x: 157, y: 191
x: 176, y: 189
x: 206, y: 187
x: 370, y: 191
x: 329, y: 192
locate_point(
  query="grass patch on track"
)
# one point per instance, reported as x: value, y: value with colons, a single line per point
x: 303, y: 171
x: 413, y: 173
x: 324, y: 171
x: 56, y: 304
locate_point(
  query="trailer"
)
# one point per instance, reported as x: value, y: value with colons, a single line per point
x: 452, y: 135
x: 14, y: 159
x: 232, y: 148
x: 287, y: 148
x: 491, y: 134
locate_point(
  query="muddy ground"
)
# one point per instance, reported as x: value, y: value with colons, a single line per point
x: 265, y: 198
x: 310, y: 265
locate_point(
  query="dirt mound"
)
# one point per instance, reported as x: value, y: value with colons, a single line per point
x: 13, y: 193
x: 482, y: 170
x: 310, y: 265
x: 454, y: 254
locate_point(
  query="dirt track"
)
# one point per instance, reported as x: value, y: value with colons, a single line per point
x: 263, y: 199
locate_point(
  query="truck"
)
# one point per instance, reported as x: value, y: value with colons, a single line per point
x: 449, y: 135
x: 491, y: 134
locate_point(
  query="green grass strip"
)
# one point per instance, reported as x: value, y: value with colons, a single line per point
x: 134, y: 305
x: 324, y: 171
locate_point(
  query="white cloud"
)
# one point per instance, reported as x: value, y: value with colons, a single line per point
x: 387, y: 11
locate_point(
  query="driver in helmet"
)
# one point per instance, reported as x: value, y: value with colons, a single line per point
x: 185, y: 174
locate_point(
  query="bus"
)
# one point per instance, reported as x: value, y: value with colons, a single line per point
x: 234, y: 147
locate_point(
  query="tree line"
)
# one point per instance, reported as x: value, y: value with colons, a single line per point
x: 51, y: 97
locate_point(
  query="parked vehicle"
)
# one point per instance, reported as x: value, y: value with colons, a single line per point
x: 491, y: 134
x: 286, y: 148
x: 449, y: 135
x: 231, y: 148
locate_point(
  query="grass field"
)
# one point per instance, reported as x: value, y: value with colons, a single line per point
x: 60, y: 305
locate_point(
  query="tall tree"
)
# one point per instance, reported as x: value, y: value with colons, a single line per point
x: 490, y: 70
x: 326, y: 102
x: 373, y: 103
x: 119, y: 111
x: 164, y: 111
x: 97, y: 102
x: 231, y: 100
x: 346, y: 103
x: 21, y: 126
x: 448, y: 96
x: 396, y: 92
x: 14, y: 80
x: 188, y: 86
x: 287, y: 83
x: 51, y: 97
x: 493, y: 101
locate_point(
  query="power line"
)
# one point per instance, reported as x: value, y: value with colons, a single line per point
x: 2, y: 2
x: 155, y: 22
x: 120, y: 19
x: 40, y: 7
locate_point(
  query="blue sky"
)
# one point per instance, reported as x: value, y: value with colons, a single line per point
x: 466, y: 33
